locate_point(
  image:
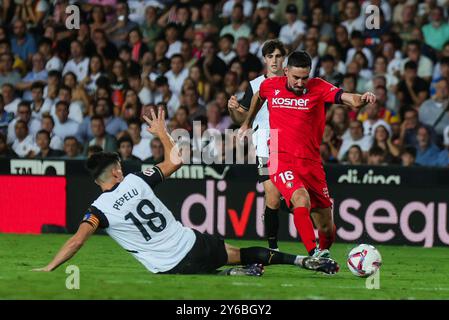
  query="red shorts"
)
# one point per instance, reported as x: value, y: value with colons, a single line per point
x: 289, y: 174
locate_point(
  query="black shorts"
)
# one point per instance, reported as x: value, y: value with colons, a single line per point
x: 206, y: 256
x: 262, y: 169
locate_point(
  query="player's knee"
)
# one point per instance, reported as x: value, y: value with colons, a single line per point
x: 301, y: 198
x: 272, y: 201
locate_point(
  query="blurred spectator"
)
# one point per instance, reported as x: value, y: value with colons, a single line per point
x: 23, y: 114
x: 150, y: 29
x: 96, y: 70
x: 75, y: 107
x: 79, y: 63
x: 436, y: 32
x: 72, y: 149
x: 125, y: 149
x: 5, y: 150
x: 63, y: 125
x: 7, y: 74
x: 190, y: 100
x: 371, y: 119
x: 409, y: 129
x: 165, y: 95
x: 226, y: 44
x: 376, y: 156
x: 101, y: 138
x: 329, y: 72
x: 434, y: 112
x: 354, y: 20
x: 181, y: 119
x: 157, y: 150
x: 23, y: 144
x: 38, y: 73
x: 5, y: 117
x: 338, y: 118
x: 114, y: 125
x: 141, y: 146
x: 443, y: 157
x: 43, y: 143
x: 203, y: 86
x: 250, y: 63
x: 172, y: 37
x: 215, y: 120
x: 177, y: 74
x: 412, y: 90
x: 237, y: 28
x: 119, y: 30
x: 292, y: 33
x: 211, y: 65
x: 425, y: 65
x: 408, y: 156
x: 383, y: 140
x: 48, y: 124
x: 354, y: 156
x: 22, y: 42
x: 358, y: 46
x: 92, y: 150
x: 144, y: 93
x: 208, y: 23
x: 332, y: 141
x: 39, y: 105
x: 355, y: 137
x: 427, y: 151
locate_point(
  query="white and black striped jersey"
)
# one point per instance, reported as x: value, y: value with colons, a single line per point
x: 134, y: 216
x: 261, y: 124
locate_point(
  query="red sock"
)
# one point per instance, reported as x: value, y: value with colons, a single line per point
x: 327, y: 240
x: 303, y: 224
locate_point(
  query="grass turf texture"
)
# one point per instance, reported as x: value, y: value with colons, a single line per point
x: 109, y: 272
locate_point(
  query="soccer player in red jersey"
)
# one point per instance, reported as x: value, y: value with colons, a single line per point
x: 297, y: 113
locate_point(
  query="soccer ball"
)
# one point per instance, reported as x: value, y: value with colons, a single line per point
x: 364, y: 260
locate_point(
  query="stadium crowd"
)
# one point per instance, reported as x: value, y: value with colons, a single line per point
x: 66, y: 93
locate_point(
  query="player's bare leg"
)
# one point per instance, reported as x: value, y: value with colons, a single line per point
x: 301, y: 216
x: 254, y: 258
x: 323, y: 219
x: 271, y: 215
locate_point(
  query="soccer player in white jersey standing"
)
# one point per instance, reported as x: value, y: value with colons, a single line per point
x: 139, y: 222
x: 274, y: 54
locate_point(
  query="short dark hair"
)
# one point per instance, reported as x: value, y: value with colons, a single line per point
x: 42, y: 131
x: 376, y: 151
x: 228, y: 36
x: 299, y: 59
x: 271, y: 45
x: 411, y: 150
x: 65, y: 104
x: 99, y: 161
x: 124, y: 139
x: 37, y: 85
x: 411, y: 65
x: 47, y: 115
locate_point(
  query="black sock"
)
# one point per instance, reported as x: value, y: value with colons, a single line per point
x: 265, y: 256
x: 271, y: 222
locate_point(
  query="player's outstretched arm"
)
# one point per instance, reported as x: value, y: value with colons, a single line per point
x: 71, y: 247
x: 172, y: 157
x: 356, y: 101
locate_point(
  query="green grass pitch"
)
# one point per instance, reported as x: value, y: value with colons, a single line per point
x: 109, y: 272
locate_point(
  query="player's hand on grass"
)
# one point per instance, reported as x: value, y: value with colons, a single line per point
x: 234, y: 104
x: 156, y: 125
x: 368, y: 97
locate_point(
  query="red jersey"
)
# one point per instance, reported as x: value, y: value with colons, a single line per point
x: 299, y: 120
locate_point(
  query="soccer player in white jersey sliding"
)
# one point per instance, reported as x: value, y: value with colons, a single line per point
x: 274, y: 53
x: 139, y: 222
